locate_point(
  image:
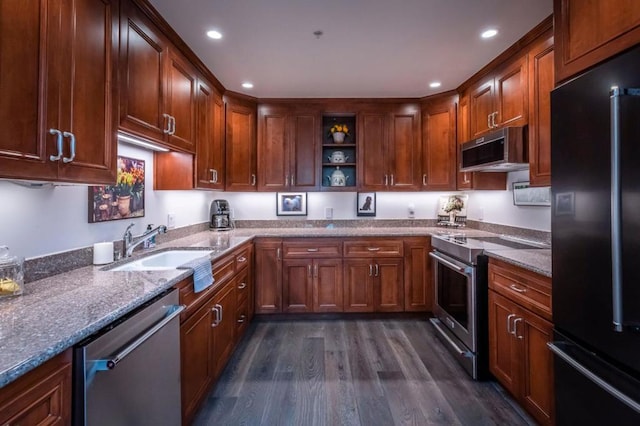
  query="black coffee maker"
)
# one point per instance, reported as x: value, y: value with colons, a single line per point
x: 220, y: 214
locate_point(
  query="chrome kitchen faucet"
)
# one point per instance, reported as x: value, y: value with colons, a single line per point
x: 129, y: 242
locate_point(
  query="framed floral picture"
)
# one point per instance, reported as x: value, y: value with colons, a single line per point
x: 366, y: 204
x: 291, y: 203
x: 125, y: 199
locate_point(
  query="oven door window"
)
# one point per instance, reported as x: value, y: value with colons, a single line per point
x: 453, y: 290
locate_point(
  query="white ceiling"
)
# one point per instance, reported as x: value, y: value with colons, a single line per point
x: 370, y: 48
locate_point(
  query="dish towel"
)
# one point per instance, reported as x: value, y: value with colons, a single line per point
x: 202, y: 273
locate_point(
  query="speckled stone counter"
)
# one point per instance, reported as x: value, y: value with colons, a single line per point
x: 59, y: 311
x: 536, y: 260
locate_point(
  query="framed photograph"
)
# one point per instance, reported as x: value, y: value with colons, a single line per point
x: 524, y: 195
x: 366, y: 204
x: 452, y: 209
x: 291, y: 203
x: 123, y: 200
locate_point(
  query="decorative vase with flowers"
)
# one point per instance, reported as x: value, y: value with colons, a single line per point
x: 338, y: 132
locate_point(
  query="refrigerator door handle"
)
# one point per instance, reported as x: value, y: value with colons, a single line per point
x: 616, y: 206
x: 616, y: 393
x: 616, y: 203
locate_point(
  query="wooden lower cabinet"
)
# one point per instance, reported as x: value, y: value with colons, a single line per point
x: 373, y: 285
x: 519, y: 357
x: 418, y: 284
x: 210, y: 326
x: 40, y: 397
x: 312, y: 285
x: 268, y: 275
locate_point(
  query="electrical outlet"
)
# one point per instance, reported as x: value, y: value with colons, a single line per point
x: 411, y: 210
x: 328, y: 212
x: 171, y: 220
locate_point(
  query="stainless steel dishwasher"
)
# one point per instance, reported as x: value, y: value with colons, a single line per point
x: 129, y: 373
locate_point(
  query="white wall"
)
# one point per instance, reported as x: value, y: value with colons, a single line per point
x: 42, y: 221
x: 488, y: 206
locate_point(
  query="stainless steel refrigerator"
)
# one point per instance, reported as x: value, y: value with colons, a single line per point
x: 595, y: 138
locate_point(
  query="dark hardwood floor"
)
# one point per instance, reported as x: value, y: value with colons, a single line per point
x: 351, y: 372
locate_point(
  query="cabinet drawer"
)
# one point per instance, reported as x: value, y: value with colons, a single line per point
x: 530, y: 290
x: 373, y: 247
x: 222, y: 272
x: 242, y: 257
x: 311, y: 248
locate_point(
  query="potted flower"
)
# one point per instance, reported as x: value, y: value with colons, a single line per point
x: 339, y: 132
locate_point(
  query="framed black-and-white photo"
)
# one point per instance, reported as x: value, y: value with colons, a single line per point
x: 366, y: 203
x: 291, y: 203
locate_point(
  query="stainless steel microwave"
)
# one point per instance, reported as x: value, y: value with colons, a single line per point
x: 501, y: 151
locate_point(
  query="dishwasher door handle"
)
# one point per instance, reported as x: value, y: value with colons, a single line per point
x: 110, y: 364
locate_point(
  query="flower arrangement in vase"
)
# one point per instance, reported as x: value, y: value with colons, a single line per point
x: 339, y: 132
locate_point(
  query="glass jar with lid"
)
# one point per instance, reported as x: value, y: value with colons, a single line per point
x: 11, y: 273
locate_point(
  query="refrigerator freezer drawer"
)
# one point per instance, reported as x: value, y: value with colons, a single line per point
x: 591, y: 391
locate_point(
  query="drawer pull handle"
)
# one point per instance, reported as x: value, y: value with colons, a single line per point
x: 518, y: 289
x: 373, y: 248
x: 242, y: 286
x: 312, y: 250
x: 509, y: 318
x: 515, y: 328
x: 241, y: 319
x: 242, y: 259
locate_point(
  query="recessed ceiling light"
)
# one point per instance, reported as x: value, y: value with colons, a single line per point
x: 489, y: 33
x: 435, y: 84
x: 247, y: 85
x: 214, y: 35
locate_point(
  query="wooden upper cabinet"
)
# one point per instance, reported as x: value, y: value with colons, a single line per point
x: 157, y: 84
x: 587, y: 32
x: 404, y: 149
x: 304, y: 141
x: 209, y: 172
x: 57, y: 90
x: 287, y: 148
x: 372, y: 141
x: 181, y: 102
x: 500, y: 99
x: 240, y: 145
x: 273, y: 149
x: 439, y: 144
x: 389, y: 149
x: 541, y: 82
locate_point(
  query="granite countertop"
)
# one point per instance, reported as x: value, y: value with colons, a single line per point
x: 57, y: 312
x: 536, y: 260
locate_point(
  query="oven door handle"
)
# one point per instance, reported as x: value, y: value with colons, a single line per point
x: 450, y: 264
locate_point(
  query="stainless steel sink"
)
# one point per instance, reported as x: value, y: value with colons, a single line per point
x: 166, y: 260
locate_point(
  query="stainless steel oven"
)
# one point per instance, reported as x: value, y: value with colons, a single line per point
x: 460, y: 270
x: 460, y: 309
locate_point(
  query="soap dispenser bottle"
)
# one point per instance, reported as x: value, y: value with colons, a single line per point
x: 150, y: 242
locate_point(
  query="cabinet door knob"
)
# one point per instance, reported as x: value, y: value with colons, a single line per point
x: 72, y: 146
x: 58, y: 134
x: 242, y: 259
x: 242, y: 286
x: 241, y: 319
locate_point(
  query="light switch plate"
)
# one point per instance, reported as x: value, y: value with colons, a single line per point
x: 328, y: 212
x: 171, y: 220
